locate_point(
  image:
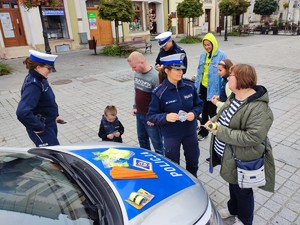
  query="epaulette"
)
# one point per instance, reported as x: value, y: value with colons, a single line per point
x: 32, y: 80
x: 158, y: 91
x: 188, y: 81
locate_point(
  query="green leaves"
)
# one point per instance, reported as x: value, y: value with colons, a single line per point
x: 190, y: 9
x: 265, y: 7
x: 119, y: 10
x: 28, y: 4
x: 233, y: 7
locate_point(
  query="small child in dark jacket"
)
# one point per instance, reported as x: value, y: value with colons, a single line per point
x: 110, y: 128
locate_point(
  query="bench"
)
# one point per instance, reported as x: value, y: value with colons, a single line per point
x: 246, y: 29
x: 136, y: 43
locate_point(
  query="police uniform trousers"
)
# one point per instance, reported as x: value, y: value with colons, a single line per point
x: 46, y: 138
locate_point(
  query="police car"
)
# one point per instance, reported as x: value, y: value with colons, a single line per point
x: 105, y: 184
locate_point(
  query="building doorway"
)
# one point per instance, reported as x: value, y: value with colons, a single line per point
x: 207, y: 19
x: 100, y: 29
x: 11, y: 24
x: 180, y: 25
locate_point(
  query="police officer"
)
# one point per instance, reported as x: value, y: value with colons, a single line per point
x: 168, y: 47
x: 175, y: 106
x: 37, y: 109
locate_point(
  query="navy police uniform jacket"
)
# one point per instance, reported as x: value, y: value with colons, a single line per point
x: 173, y: 50
x: 167, y: 98
x: 37, y: 107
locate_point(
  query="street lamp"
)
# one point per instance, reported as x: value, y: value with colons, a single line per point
x: 45, y: 33
x: 225, y: 35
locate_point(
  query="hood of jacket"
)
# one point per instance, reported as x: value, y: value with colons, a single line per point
x: 260, y: 95
x: 210, y: 37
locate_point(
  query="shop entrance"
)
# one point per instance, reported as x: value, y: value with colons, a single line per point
x: 100, y: 29
x: 11, y: 24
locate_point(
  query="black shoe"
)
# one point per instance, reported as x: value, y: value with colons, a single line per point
x: 201, y: 138
x: 208, y: 159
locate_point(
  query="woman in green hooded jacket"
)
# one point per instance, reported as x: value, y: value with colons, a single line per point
x: 243, y: 122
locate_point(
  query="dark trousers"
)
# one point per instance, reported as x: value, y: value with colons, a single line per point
x: 241, y: 203
x: 47, y: 138
x: 190, y: 147
x: 209, y: 110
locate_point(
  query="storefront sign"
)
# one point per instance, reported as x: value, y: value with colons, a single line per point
x: 53, y: 12
x: 92, y: 20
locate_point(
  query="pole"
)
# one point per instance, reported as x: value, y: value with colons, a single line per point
x: 225, y: 35
x: 45, y: 33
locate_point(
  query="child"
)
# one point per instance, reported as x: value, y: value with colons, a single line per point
x: 110, y: 128
x: 223, y: 71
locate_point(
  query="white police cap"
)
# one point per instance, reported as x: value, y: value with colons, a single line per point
x: 41, y: 57
x: 175, y: 61
x: 163, y: 38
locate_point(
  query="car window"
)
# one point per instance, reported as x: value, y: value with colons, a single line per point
x: 37, y: 191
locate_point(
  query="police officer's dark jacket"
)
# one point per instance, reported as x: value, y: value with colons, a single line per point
x: 166, y: 98
x: 37, y: 106
x: 173, y: 50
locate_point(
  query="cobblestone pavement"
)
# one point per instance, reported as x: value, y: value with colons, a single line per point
x: 85, y: 83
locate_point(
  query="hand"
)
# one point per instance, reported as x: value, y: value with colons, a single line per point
x: 193, y: 78
x: 190, y: 116
x: 117, y: 134
x: 60, y: 120
x: 110, y: 136
x: 172, y: 117
x: 215, y: 99
x: 207, y: 127
x: 158, y: 67
x: 133, y: 112
x: 149, y: 123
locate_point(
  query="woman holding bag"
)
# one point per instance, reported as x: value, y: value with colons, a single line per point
x: 243, y: 122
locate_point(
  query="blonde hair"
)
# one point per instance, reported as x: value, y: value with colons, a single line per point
x: 111, y: 110
x: 136, y: 57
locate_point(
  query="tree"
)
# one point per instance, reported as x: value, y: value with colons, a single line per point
x: 232, y: 8
x: 28, y: 4
x: 190, y: 9
x: 116, y: 10
x: 265, y: 7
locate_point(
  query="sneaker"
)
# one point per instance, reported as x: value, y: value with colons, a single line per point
x: 237, y: 221
x: 224, y: 213
x: 201, y: 138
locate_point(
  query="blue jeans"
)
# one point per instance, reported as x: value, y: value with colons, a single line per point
x: 144, y: 132
x: 241, y: 203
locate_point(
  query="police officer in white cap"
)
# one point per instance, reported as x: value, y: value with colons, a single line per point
x: 175, y: 107
x: 37, y: 109
x: 168, y: 47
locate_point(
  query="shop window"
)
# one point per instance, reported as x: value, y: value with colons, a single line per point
x: 137, y: 24
x: 92, y: 3
x: 55, y: 22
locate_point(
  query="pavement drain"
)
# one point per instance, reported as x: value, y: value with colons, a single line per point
x: 60, y: 82
x: 122, y: 76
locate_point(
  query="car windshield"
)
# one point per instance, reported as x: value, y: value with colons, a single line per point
x: 37, y: 191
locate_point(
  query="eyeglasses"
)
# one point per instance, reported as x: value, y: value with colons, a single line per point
x: 49, y: 68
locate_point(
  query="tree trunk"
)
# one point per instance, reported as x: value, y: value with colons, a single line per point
x: 117, y: 31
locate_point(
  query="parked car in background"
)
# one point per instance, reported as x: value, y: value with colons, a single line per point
x: 101, y: 184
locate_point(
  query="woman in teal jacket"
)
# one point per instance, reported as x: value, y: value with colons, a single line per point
x: 208, y: 82
x: 243, y: 122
